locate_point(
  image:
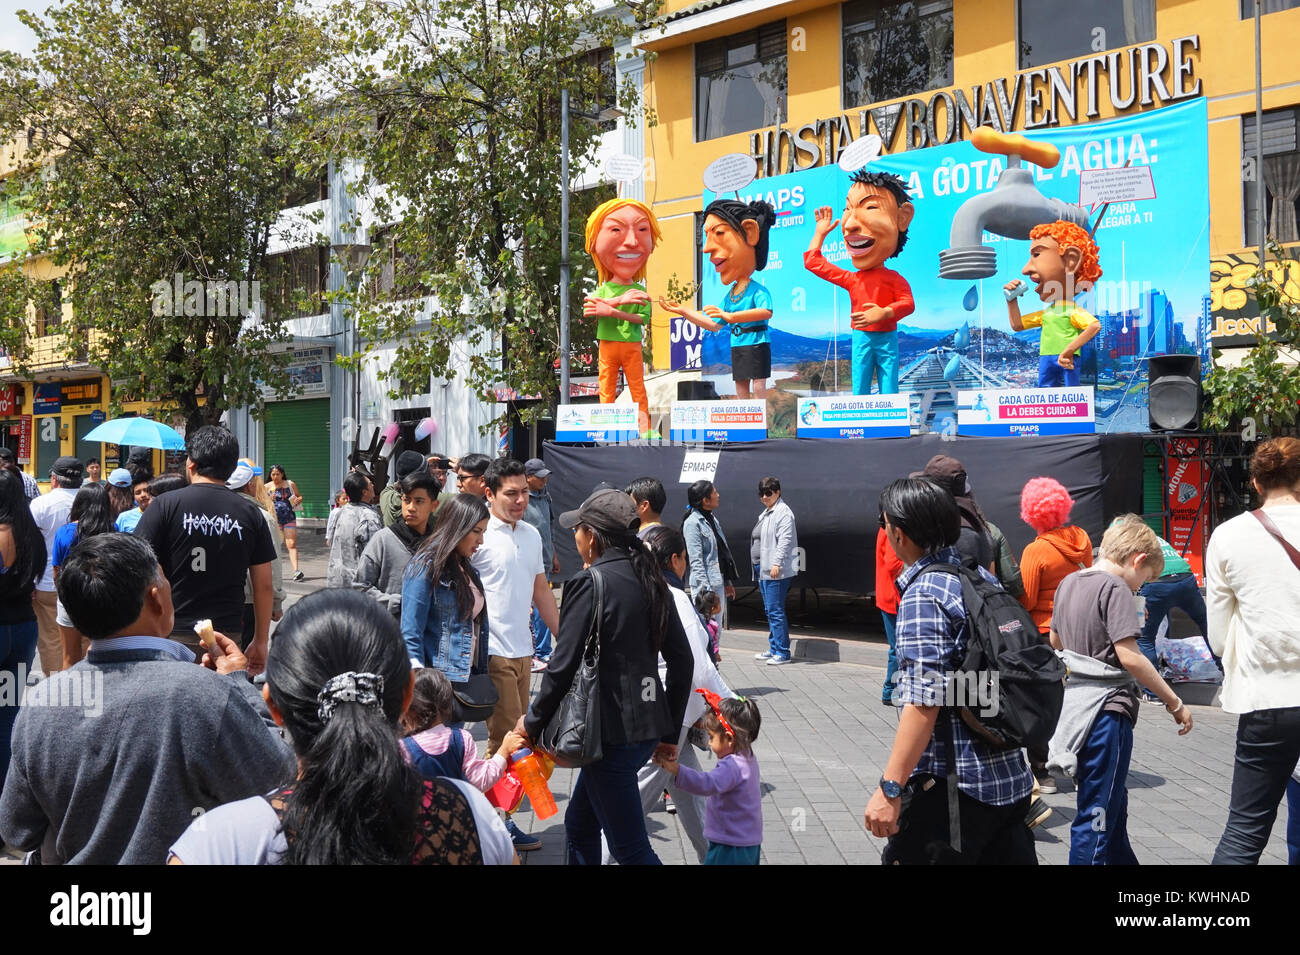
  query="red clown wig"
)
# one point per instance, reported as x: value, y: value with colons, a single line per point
x: 1068, y: 234
x: 1045, y: 504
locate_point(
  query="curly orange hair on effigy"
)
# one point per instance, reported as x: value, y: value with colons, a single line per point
x: 1066, y: 234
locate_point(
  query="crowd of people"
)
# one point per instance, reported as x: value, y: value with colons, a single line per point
x: 439, y: 612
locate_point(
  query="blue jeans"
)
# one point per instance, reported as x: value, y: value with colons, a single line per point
x: 774, y: 593
x: 891, y: 664
x: 1099, y: 834
x: 1052, y: 375
x: 875, y: 352
x: 1268, y: 746
x: 1162, y: 596
x: 17, y: 645
x: 541, y: 636
x: 606, y: 797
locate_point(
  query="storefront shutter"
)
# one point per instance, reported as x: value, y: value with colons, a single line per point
x: 297, y: 437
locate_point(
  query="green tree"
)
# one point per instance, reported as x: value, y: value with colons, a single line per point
x: 164, y: 136
x: 1265, y: 385
x: 453, y: 110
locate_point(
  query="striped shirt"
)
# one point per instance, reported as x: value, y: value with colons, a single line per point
x: 931, y: 642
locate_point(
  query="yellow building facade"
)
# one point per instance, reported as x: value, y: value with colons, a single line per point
x: 982, y: 63
x: 46, y: 412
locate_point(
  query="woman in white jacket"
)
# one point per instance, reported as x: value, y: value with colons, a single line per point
x: 669, y: 550
x: 772, y: 547
x: 1252, y: 584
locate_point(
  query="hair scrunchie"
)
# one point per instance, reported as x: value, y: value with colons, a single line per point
x: 364, y: 688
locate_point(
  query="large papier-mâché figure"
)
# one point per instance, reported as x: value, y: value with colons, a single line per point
x: 875, y: 221
x: 1062, y: 263
x: 621, y: 234
x: 735, y: 240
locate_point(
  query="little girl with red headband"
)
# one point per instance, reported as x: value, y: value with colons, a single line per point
x: 733, y: 820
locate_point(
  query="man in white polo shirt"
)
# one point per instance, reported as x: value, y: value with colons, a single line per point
x: 509, y: 562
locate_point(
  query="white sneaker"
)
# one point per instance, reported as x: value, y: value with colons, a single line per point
x: 778, y: 661
x: 765, y: 655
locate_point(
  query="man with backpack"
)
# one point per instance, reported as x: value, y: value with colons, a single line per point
x: 935, y: 808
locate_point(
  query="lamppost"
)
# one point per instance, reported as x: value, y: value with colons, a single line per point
x: 605, y: 115
x: 352, y: 257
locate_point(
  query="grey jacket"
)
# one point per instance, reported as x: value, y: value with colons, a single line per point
x: 702, y: 549
x: 164, y: 742
x: 382, y: 563
x: 1089, y: 684
x: 356, y: 525
x: 277, y: 572
x: 774, y: 541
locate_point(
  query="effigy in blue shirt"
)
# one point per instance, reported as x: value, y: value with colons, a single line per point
x: 755, y: 296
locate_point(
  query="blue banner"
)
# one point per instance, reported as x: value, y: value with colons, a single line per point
x: 1152, y: 299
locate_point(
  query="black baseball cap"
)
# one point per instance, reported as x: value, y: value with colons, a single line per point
x: 606, y: 509
x: 69, y: 467
x: 536, y: 467
x: 409, y: 462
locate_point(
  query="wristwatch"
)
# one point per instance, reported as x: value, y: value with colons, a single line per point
x: 891, y: 789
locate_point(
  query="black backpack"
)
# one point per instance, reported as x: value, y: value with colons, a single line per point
x: 1010, y: 685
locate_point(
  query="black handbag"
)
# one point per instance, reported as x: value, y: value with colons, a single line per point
x: 473, y: 700
x: 572, y: 737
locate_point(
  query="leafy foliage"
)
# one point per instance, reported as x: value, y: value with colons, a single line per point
x: 165, y: 134
x: 453, y: 110
x: 1265, y: 385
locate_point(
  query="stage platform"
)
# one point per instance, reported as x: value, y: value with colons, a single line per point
x: 833, y: 486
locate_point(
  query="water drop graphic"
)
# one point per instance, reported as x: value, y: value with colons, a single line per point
x: 971, y: 300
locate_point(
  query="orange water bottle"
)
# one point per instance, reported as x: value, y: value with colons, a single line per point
x: 529, y: 770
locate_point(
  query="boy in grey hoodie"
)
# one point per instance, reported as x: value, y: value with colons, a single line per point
x: 382, y: 563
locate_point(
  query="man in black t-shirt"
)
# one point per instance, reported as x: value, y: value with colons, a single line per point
x: 208, y: 540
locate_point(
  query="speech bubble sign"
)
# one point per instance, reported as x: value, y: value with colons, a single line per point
x: 860, y: 152
x: 730, y: 173
x: 622, y: 167
x: 1128, y: 184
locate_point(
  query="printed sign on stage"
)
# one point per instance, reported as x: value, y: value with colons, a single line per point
x: 719, y: 421
x: 856, y: 416
x: 699, y: 466
x: 1014, y: 412
x: 1185, y: 498
x: 584, y: 423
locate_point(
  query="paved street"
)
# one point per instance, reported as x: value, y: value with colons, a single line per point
x: 825, y: 737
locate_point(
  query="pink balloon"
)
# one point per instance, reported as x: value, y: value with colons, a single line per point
x: 426, y: 429
x: 391, y: 432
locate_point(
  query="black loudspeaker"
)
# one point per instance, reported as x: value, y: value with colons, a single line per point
x: 1174, y: 393
x: 697, y: 391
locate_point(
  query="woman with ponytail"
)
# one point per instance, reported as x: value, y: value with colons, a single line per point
x: 640, y: 715
x: 338, y: 680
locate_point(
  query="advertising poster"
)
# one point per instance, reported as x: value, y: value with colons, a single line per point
x: 1152, y: 298
x: 579, y: 424
x: 1185, y: 498
x: 1014, y: 413
x: 719, y: 421
x: 855, y: 416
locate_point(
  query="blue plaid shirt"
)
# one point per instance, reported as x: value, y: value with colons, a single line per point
x: 930, y: 643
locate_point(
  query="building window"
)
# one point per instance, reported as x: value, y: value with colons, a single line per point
x: 894, y: 49
x: 49, y: 310
x: 1052, y: 30
x: 597, y: 87
x: 1280, y: 175
x: 304, y: 190
x: 394, y: 270
x: 1266, y: 6
x: 740, y: 82
x: 296, y: 282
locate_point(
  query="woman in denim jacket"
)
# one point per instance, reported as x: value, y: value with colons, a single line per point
x: 711, y: 564
x: 444, y: 616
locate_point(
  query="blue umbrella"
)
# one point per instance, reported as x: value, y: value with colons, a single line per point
x: 141, y: 432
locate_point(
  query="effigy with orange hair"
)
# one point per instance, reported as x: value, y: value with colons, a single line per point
x: 1063, y: 262
x: 620, y: 236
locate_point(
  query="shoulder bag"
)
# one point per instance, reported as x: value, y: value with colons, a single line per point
x: 572, y: 737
